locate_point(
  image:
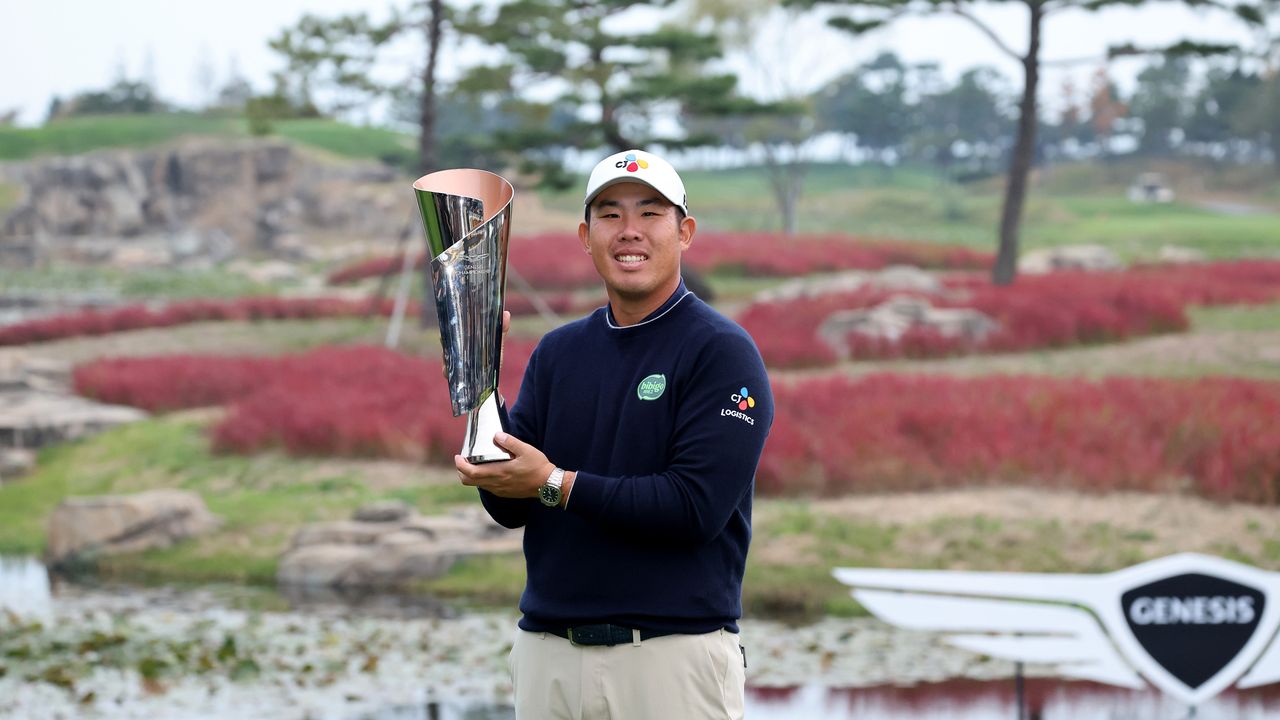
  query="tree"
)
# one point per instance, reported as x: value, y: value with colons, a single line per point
x: 334, y: 58
x: 1105, y: 109
x: 1160, y: 103
x: 862, y: 16
x: 871, y: 104
x: 124, y: 96
x: 586, y: 82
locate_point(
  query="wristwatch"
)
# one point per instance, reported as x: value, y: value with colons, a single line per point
x: 549, y: 493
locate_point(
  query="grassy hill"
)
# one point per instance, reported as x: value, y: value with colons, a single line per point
x: 1069, y: 203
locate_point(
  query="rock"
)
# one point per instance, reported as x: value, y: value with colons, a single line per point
x: 33, y: 418
x: 1069, y: 257
x: 1178, y: 254
x: 85, y: 527
x: 894, y: 277
x: 899, y: 315
x: 15, y: 462
x: 396, y: 546
x: 259, y: 194
x: 386, y: 511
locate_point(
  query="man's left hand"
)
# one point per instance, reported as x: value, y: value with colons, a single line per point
x: 519, y: 477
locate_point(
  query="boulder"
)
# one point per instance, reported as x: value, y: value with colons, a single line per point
x: 33, y: 418
x: 894, y: 277
x: 15, y: 462
x: 389, y: 545
x: 1069, y: 257
x: 1179, y: 254
x: 85, y: 527
x: 386, y: 511
x: 899, y: 315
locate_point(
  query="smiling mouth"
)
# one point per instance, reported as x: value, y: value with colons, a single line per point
x: 630, y: 258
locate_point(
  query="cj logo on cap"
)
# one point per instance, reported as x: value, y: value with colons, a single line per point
x: 631, y: 163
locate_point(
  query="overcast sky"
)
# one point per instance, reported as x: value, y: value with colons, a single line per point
x: 61, y: 47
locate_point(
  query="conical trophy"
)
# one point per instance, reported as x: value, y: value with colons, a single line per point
x: 466, y: 215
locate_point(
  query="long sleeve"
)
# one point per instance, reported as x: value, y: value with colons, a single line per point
x: 718, y: 435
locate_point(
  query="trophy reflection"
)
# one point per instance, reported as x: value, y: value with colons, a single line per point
x: 466, y: 215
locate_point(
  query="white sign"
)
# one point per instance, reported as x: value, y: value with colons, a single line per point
x: 1191, y: 625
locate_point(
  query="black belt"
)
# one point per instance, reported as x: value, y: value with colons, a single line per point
x: 604, y: 634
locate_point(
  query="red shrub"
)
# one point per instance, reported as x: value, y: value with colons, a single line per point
x: 354, y: 401
x: 832, y: 435
x: 838, y: 435
x: 1039, y: 311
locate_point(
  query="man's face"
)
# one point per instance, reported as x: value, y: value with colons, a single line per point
x: 635, y: 238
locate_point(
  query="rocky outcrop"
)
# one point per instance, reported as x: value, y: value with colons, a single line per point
x: 38, y: 409
x: 899, y: 315
x: 894, y: 277
x: 194, y: 200
x: 1069, y: 257
x: 388, y: 545
x: 15, y: 462
x: 86, y: 527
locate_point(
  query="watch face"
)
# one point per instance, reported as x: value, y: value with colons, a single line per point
x: 550, y: 495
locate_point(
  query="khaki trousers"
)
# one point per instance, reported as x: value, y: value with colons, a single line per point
x: 674, y: 677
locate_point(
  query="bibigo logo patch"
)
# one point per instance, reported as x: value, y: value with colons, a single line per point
x: 652, y: 387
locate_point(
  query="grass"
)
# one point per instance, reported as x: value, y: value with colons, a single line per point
x: 1247, y: 318
x: 83, y: 134
x: 262, y: 498
x: 147, y: 283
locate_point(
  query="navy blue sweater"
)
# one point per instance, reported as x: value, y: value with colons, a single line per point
x: 664, y: 422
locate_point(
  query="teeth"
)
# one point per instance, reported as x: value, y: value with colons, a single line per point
x: 630, y: 258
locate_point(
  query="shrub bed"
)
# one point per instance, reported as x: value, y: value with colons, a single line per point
x: 832, y: 435
x: 346, y: 401
x: 1214, y: 437
x: 137, y: 317
x: 1038, y: 311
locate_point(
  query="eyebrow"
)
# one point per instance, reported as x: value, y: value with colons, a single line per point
x: 615, y: 203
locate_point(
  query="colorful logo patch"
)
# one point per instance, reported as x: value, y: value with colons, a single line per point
x: 743, y: 399
x: 652, y: 387
x: 631, y: 163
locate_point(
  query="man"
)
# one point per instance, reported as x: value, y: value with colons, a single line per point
x: 635, y: 441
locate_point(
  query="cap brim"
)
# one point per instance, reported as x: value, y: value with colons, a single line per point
x: 619, y: 180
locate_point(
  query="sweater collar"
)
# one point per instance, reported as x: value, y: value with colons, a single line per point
x: 680, y: 294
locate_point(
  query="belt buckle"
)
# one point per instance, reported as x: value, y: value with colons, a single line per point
x: 596, y: 635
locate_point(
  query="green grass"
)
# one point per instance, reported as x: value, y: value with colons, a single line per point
x: 141, y: 283
x: 1249, y: 318
x: 261, y: 498
x: 83, y: 134
x: 77, y: 135
x: 394, y: 148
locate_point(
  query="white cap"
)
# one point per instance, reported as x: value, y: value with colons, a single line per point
x: 638, y: 166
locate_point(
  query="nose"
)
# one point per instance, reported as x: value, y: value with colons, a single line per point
x: 630, y: 226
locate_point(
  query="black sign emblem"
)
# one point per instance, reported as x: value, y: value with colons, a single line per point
x: 1193, y: 624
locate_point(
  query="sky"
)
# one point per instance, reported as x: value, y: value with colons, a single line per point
x: 61, y: 47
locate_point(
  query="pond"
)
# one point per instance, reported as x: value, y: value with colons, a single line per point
x: 69, y: 651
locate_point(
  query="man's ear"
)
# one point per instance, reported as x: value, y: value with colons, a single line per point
x: 688, y: 226
x: 584, y: 237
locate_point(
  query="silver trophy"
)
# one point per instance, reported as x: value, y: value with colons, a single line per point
x: 467, y: 218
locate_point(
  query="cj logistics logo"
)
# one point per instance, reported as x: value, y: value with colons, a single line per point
x: 1191, y: 625
x: 743, y: 400
x: 631, y: 163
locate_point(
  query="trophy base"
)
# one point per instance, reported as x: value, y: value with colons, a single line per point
x: 482, y: 424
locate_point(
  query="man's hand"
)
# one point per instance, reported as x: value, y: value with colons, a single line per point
x: 519, y: 477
